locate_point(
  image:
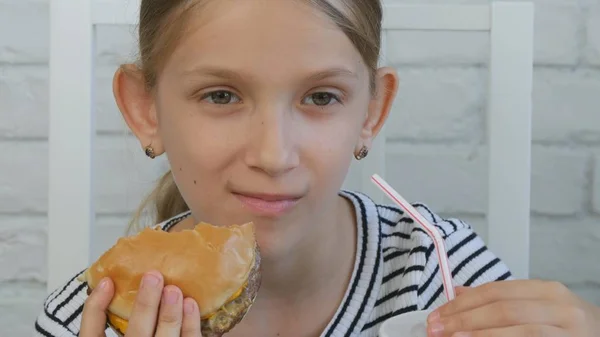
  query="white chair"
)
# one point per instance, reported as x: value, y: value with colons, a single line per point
x: 72, y: 132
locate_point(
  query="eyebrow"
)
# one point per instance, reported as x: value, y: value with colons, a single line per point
x: 232, y: 75
x: 213, y: 72
x: 332, y: 72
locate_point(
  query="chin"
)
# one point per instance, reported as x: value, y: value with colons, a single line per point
x: 278, y: 237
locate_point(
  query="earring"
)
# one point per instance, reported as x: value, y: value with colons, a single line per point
x: 150, y: 152
x: 362, y: 153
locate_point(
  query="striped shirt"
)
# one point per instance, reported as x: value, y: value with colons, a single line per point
x: 395, y: 272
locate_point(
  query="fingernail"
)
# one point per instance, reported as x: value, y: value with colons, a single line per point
x: 150, y: 280
x: 103, y: 284
x: 170, y: 296
x: 188, y: 307
x: 433, y: 317
x: 436, y: 328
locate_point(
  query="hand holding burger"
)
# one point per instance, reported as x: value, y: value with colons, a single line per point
x: 198, y: 282
x: 154, y: 314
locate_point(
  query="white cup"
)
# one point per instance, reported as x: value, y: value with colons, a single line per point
x: 411, y: 324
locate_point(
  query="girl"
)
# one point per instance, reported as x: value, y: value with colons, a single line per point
x: 260, y: 106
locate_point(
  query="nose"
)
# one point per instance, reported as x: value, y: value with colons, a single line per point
x: 271, y: 147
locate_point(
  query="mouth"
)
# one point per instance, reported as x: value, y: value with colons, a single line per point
x: 271, y: 205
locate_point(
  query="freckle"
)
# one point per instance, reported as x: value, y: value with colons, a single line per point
x: 180, y: 169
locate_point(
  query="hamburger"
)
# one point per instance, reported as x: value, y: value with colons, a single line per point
x: 219, y: 267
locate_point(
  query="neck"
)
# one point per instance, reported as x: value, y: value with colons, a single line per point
x: 303, y: 284
x: 319, y: 264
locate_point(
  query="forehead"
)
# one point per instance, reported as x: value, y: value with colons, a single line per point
x: 273, y: 36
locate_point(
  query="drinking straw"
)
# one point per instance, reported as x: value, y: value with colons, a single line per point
x: 428, y: 227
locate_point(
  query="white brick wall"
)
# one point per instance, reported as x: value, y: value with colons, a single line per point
x: 450, y: 67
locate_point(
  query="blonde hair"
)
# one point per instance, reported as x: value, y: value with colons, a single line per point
x: 161, y: 25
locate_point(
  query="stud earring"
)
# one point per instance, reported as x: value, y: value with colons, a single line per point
x: 150, y: 152
x: 362, y: 153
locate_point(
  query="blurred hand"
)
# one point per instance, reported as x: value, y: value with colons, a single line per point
x: 514, y: 309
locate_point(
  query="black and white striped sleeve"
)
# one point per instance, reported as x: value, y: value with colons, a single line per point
x: 61, y: 312
x: 470, y: 261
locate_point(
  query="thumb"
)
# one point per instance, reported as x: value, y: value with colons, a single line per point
x: 93, y: 322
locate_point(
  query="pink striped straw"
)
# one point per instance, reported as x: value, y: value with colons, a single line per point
x: 428, y: 227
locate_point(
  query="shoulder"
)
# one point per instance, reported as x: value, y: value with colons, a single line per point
x: 166, y: 225
x: 470, y: 261
x: 61, y: 311
x: 393, y: 215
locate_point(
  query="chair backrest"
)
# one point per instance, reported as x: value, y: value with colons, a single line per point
x: 510, y: 28
x: 71, y: 209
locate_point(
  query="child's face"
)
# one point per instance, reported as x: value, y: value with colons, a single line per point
x: 248, y: 104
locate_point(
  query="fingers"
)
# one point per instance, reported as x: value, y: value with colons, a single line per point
x: 178, y: 317
x: 518, y: 331
x: 504, y: 314
x: 470, y: 298
x: 191, y: 319
x: 460, y: 290
x: 93, y: 322
x: 171, y: 313
x: 142, y: 322
x: 160, y: 311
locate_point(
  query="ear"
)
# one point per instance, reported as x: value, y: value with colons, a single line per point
x: 137, y: 106
x: 386, y: 86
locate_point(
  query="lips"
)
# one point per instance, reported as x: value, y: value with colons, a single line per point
x: 268, y: 204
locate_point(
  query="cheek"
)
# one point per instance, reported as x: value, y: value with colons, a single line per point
x: 192, y: 140
x: 191, y: 144
x: 329, y: 154
x: 199, y: 152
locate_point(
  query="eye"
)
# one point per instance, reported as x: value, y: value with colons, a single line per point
x: 221, y: 97
x: 322, y: 98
